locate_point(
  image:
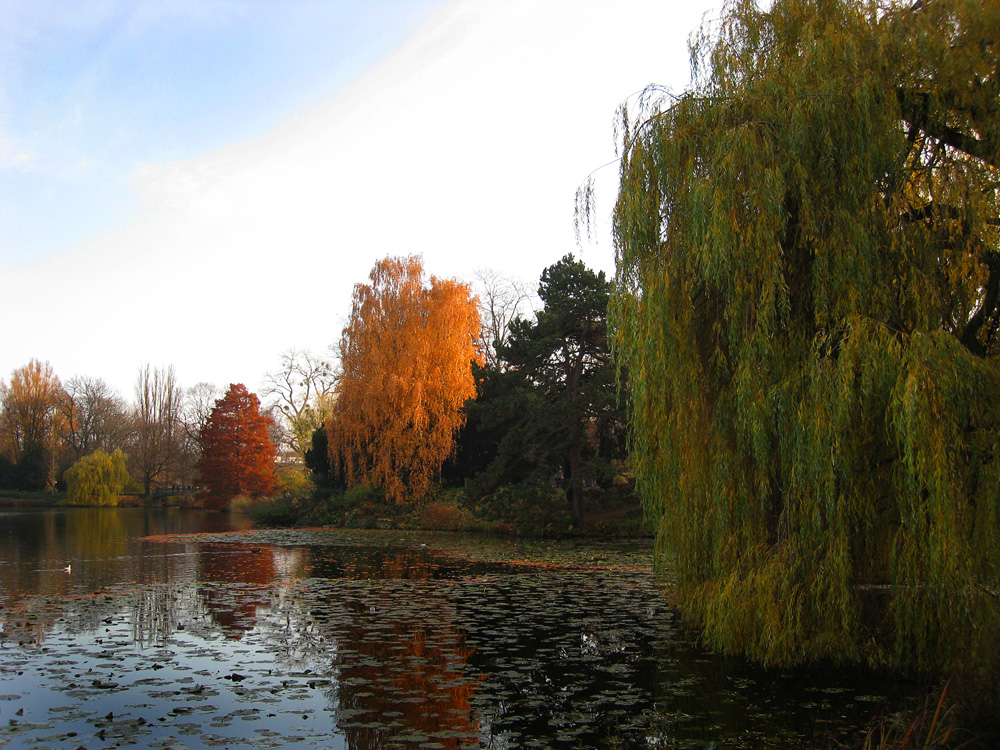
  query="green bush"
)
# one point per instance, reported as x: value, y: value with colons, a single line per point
x: 133, y: 487
x: 360, y: 507
x: 295, y: 482
x: 30, y: 497
x: 615, y: 511
x: 530, y: 508
x: 279, y: 511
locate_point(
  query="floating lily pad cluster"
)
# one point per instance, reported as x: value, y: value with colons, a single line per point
x: 320, y: 638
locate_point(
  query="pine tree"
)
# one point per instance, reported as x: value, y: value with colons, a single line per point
x: 562, y: 358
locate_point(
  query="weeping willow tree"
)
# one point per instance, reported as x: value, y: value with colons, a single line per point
x: 97, y: 479
x: 807, y: 304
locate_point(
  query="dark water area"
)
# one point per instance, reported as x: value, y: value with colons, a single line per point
x: 184, y: 629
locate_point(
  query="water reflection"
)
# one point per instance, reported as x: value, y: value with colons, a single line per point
x: 401, y: 671
x: 305, y: 639
x: 103, y: 547
x: 234, y: 564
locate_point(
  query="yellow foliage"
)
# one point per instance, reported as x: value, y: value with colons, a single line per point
x: 97, y: 479
x: 30, y: 417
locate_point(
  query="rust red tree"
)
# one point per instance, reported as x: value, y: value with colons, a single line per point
x: 237, y: 455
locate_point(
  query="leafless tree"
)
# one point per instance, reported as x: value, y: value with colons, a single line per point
x: 157, y: 428
x: 501, y: 300
x: 302, y: 390
x: 197, y: 403
x: 279, y: 431
x: 95, y: 416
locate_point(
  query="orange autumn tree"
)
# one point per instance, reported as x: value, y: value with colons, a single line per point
x: 237, y: 455
x: 406, y: 356
x: 31, y: 425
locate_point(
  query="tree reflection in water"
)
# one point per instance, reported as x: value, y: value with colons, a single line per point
x: 364, y: 641
x: 235, y: 564
x: 402, y: 671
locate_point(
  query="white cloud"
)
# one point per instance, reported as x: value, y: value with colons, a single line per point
x: 13, y: 156
x: 465, y: 145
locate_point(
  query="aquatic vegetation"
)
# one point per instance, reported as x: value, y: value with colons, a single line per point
x: 932, y: 726
x: 363, y: 639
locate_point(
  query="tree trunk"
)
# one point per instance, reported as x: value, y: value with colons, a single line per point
x: 575, y: 441
x: 576, y: 476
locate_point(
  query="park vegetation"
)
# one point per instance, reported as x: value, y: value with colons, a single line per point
x: 406, y: 372
x: 454, y: 406
x: 806, y: 307
x: 97, y: 479
x: 237, y: 455
x: 797, y: 359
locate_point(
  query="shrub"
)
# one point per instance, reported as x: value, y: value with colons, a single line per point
x: 295, y: 482
x: 361, y: 507
x: 367, y: 507
x: 279, y: 511
x: 243, y: 504
x: 133, y: 487
x: 532, y: 508
x: 446, y: 513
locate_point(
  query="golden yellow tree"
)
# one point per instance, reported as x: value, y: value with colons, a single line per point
x: 30, y: 422
x: 406, y: 354
x: 97, y: 479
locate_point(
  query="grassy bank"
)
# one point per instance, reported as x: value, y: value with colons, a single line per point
x: 22, y: 499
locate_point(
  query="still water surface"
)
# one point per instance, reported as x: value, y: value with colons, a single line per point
x: 184, y: 629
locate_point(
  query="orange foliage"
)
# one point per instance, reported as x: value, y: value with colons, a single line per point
x: 407, y: 356
x: 29, y: 415
x: 237, y: 452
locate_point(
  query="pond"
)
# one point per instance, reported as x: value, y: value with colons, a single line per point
x: 185, y: 629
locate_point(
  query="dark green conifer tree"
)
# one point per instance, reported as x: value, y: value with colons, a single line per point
x: 548, y: 415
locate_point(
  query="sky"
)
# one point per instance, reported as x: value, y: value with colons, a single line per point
x: 200, y: 183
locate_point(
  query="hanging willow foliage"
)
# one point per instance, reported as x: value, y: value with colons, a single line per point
x: 807, y: 304
x: 97, y: 479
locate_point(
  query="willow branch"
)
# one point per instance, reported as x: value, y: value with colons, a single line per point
x: 915, y: 107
